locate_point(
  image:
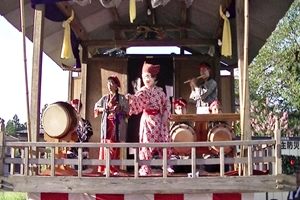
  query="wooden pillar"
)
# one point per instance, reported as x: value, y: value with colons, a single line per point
x: 217, y: 68
x: 83, y: 77
x: 240, y: 51
x: 246, y: 97
x: 2, y: 147
x: 38, y: 35
x: 38, y: 39
x: 242, y: 42
x: 232, y: 106
x: 278, y: 159
x: 70, y: 86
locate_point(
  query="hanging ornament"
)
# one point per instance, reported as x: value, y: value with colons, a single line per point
x: 292, y: 162
x: 226, y: 49
x: 66, y: 46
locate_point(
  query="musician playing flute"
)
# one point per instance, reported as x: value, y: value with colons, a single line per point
x: 206, y: 93
x: 114, y: 109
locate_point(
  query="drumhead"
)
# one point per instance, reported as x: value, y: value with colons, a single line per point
x: 58, y: 119
x: 182, y: 133
x: 220, y: 132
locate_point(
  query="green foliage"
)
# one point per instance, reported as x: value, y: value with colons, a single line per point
x: 274, y: 75
x: 14, y: 125
x: 290, y: 164
x: 13, y: 196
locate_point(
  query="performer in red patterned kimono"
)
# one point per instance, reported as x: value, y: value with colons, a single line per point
x: 156, y: 108
x: 114, y: 108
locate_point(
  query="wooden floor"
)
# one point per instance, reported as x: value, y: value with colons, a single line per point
x: 155, y: 173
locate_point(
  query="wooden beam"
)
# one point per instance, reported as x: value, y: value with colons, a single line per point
x: 169, y: 42
x: 206, y: 117
x: 166, y: 27
x: 192, y: 51
x: 118, y: 33
x: 183, y: 18
x: 148, y: 185
x: 75, y: 24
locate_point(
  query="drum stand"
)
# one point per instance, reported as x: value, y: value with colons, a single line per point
x: 201, y: 130
x: 61, y: 153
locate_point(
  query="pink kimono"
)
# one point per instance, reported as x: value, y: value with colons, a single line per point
x: 154, y: 104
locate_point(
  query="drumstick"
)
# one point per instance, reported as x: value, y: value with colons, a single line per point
x: 190, y: 79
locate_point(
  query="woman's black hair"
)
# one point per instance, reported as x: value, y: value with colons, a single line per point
x: 205, y: 63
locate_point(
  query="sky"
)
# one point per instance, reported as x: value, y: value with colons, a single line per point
x: 12, y: 75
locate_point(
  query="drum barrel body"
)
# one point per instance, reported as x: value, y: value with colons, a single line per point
x: 182, y: 133
x: 59, y: 119
x: 220, y: 132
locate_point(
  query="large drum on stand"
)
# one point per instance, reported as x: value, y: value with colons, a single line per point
x: 182, y: 133
x: 60, y: 123
x: 59, y: 120
x: 220, y: 132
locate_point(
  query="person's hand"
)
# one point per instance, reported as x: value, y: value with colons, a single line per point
x: 194, y: 82
x: 136, y: 84
x: 117, y: 108
x: 128, y: 96
x: 192, y: 86
x: 101, y: 109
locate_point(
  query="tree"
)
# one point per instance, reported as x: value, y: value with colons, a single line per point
x: 263, y: 120
x: 14, y: 125
x: 274, y: 76
x: 274, y: 73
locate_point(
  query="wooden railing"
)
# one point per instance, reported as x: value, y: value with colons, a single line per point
x: 254, y: 160
x: 164, y: 184
x: 25, y: 161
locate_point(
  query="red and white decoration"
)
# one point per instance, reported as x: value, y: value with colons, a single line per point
x: 65, y: 196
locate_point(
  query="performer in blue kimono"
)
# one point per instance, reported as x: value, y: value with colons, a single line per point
x: 114, y: 108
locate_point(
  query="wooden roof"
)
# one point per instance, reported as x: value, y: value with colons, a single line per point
x: 199, y: 21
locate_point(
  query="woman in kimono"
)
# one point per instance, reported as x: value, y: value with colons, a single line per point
x: 114, y: 108
x: 156, y: 108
